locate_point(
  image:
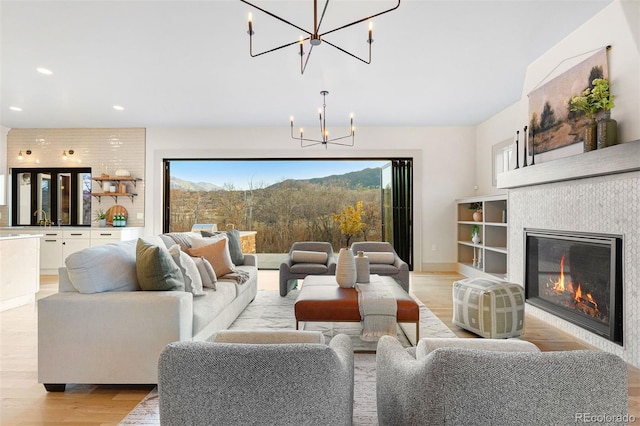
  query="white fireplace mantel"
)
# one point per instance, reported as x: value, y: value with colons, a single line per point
x: 615, y: 159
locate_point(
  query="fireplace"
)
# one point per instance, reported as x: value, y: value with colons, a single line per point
x: 578, y: 277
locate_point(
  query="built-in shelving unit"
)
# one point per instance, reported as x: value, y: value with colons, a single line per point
x: 489, y: 255
x: 117, y: 180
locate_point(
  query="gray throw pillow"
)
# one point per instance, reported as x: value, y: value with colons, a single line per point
x: 155, y: 268
x: 235, y: 248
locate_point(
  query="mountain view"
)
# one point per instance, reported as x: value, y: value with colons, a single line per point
x: 367, y: 178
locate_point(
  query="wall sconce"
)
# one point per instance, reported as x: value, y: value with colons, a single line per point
x: 21, y: 157
x: 64, y: 154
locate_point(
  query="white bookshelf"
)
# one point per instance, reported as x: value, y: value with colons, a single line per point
x: 489, y: 256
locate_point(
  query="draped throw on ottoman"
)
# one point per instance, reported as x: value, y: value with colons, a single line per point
x: 378, y: 310
x: 488, y: 308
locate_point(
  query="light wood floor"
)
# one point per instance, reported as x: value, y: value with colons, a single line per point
x: 25, y: 402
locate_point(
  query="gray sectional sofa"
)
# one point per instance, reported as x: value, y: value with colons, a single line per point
x: 101, y: 328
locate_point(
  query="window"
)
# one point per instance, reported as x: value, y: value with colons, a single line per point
x: 501, y: 154
x: 60, y: 196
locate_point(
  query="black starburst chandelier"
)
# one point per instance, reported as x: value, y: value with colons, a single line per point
x: 324, y: 133
x: 315, y: 37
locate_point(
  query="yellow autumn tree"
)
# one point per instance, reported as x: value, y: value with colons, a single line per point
x: 350, y: 221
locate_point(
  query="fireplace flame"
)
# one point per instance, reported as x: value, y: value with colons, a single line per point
x: 569, y: 291
x: 559, y: 285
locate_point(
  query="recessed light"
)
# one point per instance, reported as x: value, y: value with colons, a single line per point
x: 12, y: 108
x: 44, y: 71
x: 118, y: 107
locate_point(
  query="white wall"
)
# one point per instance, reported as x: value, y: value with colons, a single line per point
x: 444, y: 170
x: 617, y: 25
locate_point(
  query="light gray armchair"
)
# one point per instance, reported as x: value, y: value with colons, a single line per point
x: 395, y: 267
x: 305, y: 258
x: 263, y: 383
x: 489, y: 382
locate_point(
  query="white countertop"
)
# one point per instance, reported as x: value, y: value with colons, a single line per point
x: 18, y: 236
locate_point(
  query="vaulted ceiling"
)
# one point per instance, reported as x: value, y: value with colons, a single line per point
x: 187, y: 64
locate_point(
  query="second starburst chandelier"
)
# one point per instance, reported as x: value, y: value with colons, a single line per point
x: 322, y: 114
x: 315, y: 37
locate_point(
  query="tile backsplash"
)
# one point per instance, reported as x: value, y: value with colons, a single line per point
x: 103, y: 150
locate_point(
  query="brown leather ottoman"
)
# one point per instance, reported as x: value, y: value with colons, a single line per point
x: 322, y: 299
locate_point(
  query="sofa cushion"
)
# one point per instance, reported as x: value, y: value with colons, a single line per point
x: 155, y: 268
x: 208, y: 307
x: 207, y: 274
x: 304, y: 256
x: 109, y: 267
x: 384, y: 257
x: 309, y: 268
x: 201, y: 241
x: 189, y: 270
x: 235, y: 246
x: 217, y: 254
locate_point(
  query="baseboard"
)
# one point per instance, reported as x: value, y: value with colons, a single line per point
x: 439, y: 267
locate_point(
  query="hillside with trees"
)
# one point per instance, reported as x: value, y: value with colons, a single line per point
x: 292, y: 210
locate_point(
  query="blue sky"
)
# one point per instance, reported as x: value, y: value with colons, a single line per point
x: 240, y: 173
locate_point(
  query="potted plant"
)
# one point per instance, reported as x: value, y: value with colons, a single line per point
x: 607, y: 128
x: 592, y: 100
x: 101, y: 217
x: 475, y: 236
x: 477, y: 214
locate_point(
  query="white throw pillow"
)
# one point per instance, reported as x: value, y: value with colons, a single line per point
x: 109, y: 267
x: 190, y: 272
x: 383, y: 257
x: 304, y: 256
x: 207, y: 274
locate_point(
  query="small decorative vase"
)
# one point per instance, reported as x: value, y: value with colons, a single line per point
x: 475, y: 238
x: 477, y: 216
x: 590, y: 135
x: 607, y: 130
x: 102, y: 223
x: 362, y: 268
x: 346, y: 273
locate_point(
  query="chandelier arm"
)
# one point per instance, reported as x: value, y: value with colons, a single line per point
x: 359, y: 20
x: 351, y: 54
x: 271, y: 50
x: 274, y: 16
x: 306, y: 61
x: 340, y: 138
x: 324, y: 10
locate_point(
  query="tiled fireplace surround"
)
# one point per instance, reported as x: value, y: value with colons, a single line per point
x: 602, y: 204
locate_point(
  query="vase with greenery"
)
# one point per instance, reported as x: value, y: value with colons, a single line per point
x: 607, y: 128
x: 101, y: 217
x: 477, y: 208
x: 475, y: 234
x: 594, y: 99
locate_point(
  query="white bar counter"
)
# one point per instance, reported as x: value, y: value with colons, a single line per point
x: 19, y: 269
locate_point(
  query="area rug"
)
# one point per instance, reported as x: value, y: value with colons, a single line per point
x: 270, y: 311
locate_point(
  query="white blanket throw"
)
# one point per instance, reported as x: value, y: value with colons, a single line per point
x: 378, y: 310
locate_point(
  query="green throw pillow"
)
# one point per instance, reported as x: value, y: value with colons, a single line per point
x: 156, y: 269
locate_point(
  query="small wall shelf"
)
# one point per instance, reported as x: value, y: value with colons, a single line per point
x: 115, y: 195
x: 489, y: 256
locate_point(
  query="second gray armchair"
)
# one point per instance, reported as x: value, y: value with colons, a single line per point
x: 383, y: 260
